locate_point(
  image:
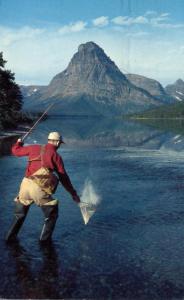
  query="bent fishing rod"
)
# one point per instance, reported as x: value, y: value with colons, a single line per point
x: 31, y: 129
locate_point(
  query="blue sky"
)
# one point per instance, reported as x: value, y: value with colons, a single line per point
x: 39, y: 37
x: 39, y: 12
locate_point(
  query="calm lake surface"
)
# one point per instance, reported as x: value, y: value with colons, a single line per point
x: 133, y: 246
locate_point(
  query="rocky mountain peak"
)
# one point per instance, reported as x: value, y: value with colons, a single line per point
x: 89, y: 46
x: 89, y: 71
x: 93, y: 84
x: 93, y: 51
x: 88, y: 53
x: 92, y: 62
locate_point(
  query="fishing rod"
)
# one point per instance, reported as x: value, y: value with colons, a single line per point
x: 86, y: 211
x: 31, y: 129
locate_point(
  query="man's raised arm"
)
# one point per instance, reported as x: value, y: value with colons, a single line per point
x: 64, y: 178
x: 19, y: 150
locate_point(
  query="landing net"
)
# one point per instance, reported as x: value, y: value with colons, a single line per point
x: 89, y: 201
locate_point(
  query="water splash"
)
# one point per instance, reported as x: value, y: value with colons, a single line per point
x: 89, y: 201
x: 89, y: 195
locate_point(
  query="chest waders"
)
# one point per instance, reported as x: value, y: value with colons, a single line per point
x: 50, y: 213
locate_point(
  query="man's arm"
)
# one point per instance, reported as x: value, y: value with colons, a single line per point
x: 64, y: 178
x: 19, y: 150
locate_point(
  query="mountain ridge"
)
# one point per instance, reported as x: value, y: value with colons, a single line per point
x: 94, y: 81
x: 176, y: 89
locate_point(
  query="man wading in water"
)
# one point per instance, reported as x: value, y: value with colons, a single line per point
x: 40, y: 183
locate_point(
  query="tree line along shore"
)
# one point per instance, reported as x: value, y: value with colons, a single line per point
x: 11, y: 114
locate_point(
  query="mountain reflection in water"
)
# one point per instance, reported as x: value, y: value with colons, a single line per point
x: 107, y: 132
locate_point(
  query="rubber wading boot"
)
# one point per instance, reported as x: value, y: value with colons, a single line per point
x: 51, y: 215
x: 20, y: 215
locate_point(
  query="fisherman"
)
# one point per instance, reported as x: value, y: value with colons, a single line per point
x: 40, y: 183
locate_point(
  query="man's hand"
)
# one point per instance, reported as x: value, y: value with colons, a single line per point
x: 76, y: 198
x: 20, y: 142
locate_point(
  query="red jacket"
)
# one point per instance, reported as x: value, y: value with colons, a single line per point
x: 51, y: 159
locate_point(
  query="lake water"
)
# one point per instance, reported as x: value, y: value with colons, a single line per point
x: 133, y: 246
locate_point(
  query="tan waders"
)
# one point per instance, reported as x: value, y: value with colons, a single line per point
x: 30, y: 192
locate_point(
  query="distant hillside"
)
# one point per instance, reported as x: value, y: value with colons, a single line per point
x: 28, y: 91
x: 152, y: 86
x: 163, y: 112
x: 176, y: 90
x: 166, y: 117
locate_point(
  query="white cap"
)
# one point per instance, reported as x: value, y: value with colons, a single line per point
x: 55, y: 136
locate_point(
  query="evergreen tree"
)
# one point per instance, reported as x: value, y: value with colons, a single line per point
x: 10, y: 97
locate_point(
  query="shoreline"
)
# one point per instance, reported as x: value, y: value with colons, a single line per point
x: 6, y: 143
x: 9, y: 137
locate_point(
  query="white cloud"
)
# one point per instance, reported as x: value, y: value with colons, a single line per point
x: 124, y: 20
x: 120, y: 20
x: 141, y: 20
x: 9, y: 35
x: 101, y: 21
x: 128, y: 21
x: 158, y: 22
x: 150, y: 18
x: 159, y: 19
x: 163, y: 20
x: 73, y: 27
x: 150, y: 13
x: 165, y: 14
x: 36, y: 55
